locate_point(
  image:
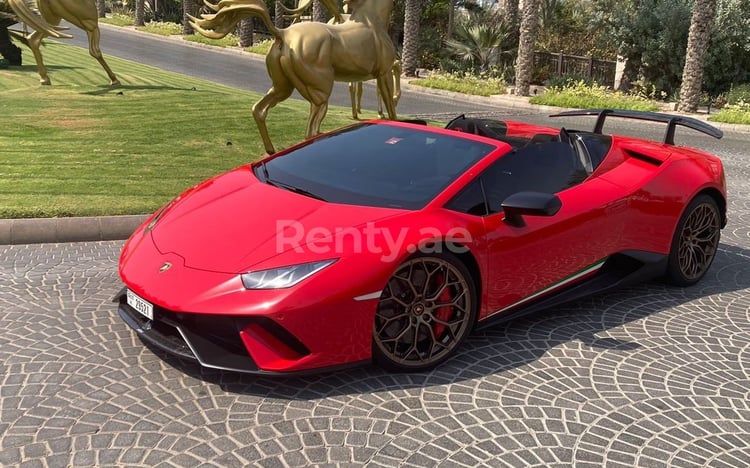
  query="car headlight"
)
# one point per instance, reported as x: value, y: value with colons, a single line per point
x: 283, y: 277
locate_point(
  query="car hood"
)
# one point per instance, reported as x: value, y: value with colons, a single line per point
x: 233, y: 221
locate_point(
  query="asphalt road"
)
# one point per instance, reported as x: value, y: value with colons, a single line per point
x: 244, y: 71
x: 247, y: 71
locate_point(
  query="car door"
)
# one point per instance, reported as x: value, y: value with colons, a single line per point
x: 547, y: 253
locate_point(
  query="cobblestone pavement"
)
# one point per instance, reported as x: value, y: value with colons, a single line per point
x: 647, y: 376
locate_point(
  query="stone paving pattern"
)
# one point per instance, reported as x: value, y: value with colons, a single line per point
x: 646, y: 376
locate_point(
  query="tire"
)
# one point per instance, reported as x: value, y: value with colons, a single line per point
x: 694, y: 242
x: 425, y: 312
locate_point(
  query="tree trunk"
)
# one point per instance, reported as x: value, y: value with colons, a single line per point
x: 412, y: 17
x: 101, y: 8
x: 278, y: 15
x: 630, y: 73
x: 319, y: 12
x: 702, y: 20
x: 188, y: 8
x: 451, y: 19
x: 526, y: 43
x: 508, y: 9
x: 140, y: 7
x: 247, y: 30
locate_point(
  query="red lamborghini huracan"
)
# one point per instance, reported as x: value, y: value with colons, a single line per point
x: 392, y: 241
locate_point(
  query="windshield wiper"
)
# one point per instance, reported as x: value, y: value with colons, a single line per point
x: 298, y: 190
x: 291, y: 188
x: 265, y: 171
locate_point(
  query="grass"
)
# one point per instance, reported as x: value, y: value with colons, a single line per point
x: 582, y: 96
x: 80, y: 148
x: 230, y: 40
x: 466, y: 84
x: 118, y: 19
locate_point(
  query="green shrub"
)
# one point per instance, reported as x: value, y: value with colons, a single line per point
x: 583, y: 96
x: 482, y: 85
x: 261, y: 47
x: 161, y: 28
x: 739, y: 93
x: 230, y: 40
x: 738, y: 113
x: 566, y: 81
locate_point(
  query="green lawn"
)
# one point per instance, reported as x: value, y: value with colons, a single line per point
x: 80, y: 148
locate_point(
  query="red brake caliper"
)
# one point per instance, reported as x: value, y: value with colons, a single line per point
x: 443, y: 313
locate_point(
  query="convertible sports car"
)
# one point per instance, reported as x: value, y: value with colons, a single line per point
x: 391, y: 241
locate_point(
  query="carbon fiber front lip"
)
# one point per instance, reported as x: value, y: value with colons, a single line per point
x: 145, y: 329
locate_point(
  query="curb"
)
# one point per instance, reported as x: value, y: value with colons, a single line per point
x: 79, y: 229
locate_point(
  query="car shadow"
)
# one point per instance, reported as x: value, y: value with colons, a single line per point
x: 507, y: 346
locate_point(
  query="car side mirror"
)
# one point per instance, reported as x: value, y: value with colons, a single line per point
x: 529, y: 204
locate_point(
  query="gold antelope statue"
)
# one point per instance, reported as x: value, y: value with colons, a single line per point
x: 81, y: 13
x: 355, y: 88
x: 310, y: 56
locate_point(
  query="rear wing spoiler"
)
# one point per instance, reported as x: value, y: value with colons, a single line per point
x: 672, y: 121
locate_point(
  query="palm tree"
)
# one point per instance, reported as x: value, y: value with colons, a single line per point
x: 247, y: 32
x: 140, y: 12
x: 704, y: 12
x: 319, y: 13
x: 451, y: 19
x: 412, y: 16
x: 188, y: 8
x: 278, y: 14
x: 509, y: 9
x: 477, y: 40
x: 526, y: 42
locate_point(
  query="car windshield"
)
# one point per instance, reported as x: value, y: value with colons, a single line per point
x: 375, y: 165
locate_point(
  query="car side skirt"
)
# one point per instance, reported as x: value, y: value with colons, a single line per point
x: 617, y: 271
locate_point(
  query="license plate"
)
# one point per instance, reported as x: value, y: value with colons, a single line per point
x: 144, y: 307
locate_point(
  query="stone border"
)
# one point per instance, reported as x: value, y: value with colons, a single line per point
x: 79, y: 229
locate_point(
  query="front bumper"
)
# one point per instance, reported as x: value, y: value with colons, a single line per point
x: 222, y: 342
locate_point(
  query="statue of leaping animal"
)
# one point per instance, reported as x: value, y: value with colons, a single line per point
x: 45, y: 22
x: 355, y: 88
x: 310, y: 56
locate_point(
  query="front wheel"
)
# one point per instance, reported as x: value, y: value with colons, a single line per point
x: 425, y: 311
x: 695, y: 242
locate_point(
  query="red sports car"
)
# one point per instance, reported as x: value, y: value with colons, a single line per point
x: 391, y: 241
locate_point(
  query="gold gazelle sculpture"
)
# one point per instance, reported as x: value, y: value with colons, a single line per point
x: 310, y: 56
x: 81, y: 13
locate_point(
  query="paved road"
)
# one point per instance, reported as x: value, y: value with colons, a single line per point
x: 245, y: 71
x: 647, y: 376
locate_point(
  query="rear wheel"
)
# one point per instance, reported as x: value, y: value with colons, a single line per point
x: 426, y: 310
x: 695, y: 242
